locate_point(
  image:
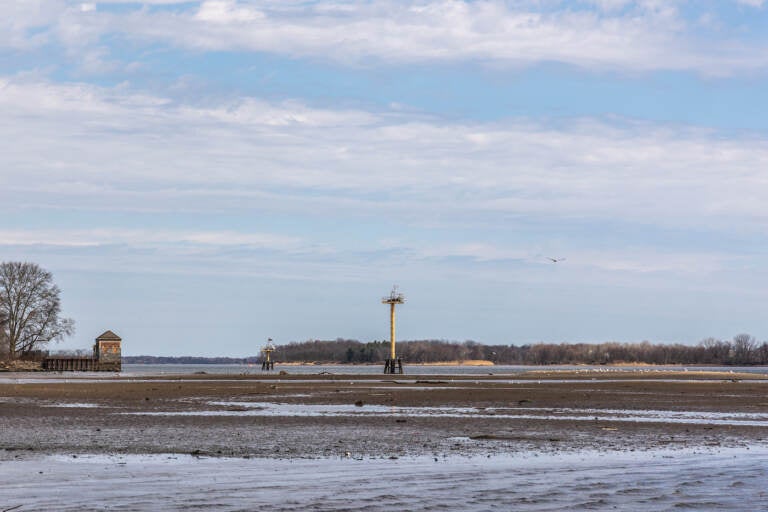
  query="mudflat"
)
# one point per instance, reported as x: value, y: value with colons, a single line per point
x: 306, y: 416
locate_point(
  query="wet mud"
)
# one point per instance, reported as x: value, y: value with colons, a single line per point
x: 535, y: 442
x: 374, y: 416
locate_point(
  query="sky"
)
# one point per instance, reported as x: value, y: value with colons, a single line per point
x: 202, y: 175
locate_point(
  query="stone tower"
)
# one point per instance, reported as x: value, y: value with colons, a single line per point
x: 107, y: 352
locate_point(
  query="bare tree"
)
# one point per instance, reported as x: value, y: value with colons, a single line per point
x: 744, y: 348
x: 30, y: 305
x: 715, y: 351
x: 762, y: 353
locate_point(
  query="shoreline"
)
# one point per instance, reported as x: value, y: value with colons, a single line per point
x: 31, y: 366
x: 468, y: 362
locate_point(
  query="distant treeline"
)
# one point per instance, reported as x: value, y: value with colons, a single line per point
x: 741, y: 350
x: 188, y: 360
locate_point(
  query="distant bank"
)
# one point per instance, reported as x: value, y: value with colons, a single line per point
x: 254, y: 360
x: 742, y: 350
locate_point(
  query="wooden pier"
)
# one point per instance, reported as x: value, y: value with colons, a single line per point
x: 70, y: 364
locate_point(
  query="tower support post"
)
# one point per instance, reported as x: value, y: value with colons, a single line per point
x: 393, y: 364
x: 392, y: 330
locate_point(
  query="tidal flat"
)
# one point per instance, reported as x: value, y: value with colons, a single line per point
x: 532, y: 441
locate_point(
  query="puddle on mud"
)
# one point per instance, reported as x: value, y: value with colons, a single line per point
x: 73, y: 405
x: 46, y: 403
x: 305, y: 410
x: 234, y: 408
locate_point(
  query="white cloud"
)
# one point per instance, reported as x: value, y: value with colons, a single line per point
x: 137, y: 238
x: 250, y: 111
x: 226, y: 11
x: 443, y: 31
x: 613, y: 34
x: 79, y: 146
x: 26, y: 24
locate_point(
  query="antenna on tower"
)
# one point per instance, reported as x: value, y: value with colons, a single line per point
x: 393, y: 364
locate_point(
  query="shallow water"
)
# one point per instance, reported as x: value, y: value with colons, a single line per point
x: 725, y: 479
x: 139, y: 371
x: 398, y: 383
x: 235, y: 408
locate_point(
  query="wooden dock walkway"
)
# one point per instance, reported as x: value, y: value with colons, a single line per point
x: 70, y: 364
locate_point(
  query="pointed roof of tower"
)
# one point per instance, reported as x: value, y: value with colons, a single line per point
x: 109, y: 336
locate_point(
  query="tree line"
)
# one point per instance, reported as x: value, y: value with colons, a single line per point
x: 743, y: 349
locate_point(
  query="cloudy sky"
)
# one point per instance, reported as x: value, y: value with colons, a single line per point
x: 202, y: 175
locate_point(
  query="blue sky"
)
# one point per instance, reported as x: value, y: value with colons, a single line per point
x: 202, y: 175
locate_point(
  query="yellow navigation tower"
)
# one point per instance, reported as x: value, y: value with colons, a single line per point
x: 393, y: 364
x: 267, y: 363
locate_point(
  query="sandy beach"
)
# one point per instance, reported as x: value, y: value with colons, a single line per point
x: 408, y: 419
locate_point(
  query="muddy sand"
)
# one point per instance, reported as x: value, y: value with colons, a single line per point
x: 368, y: 416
